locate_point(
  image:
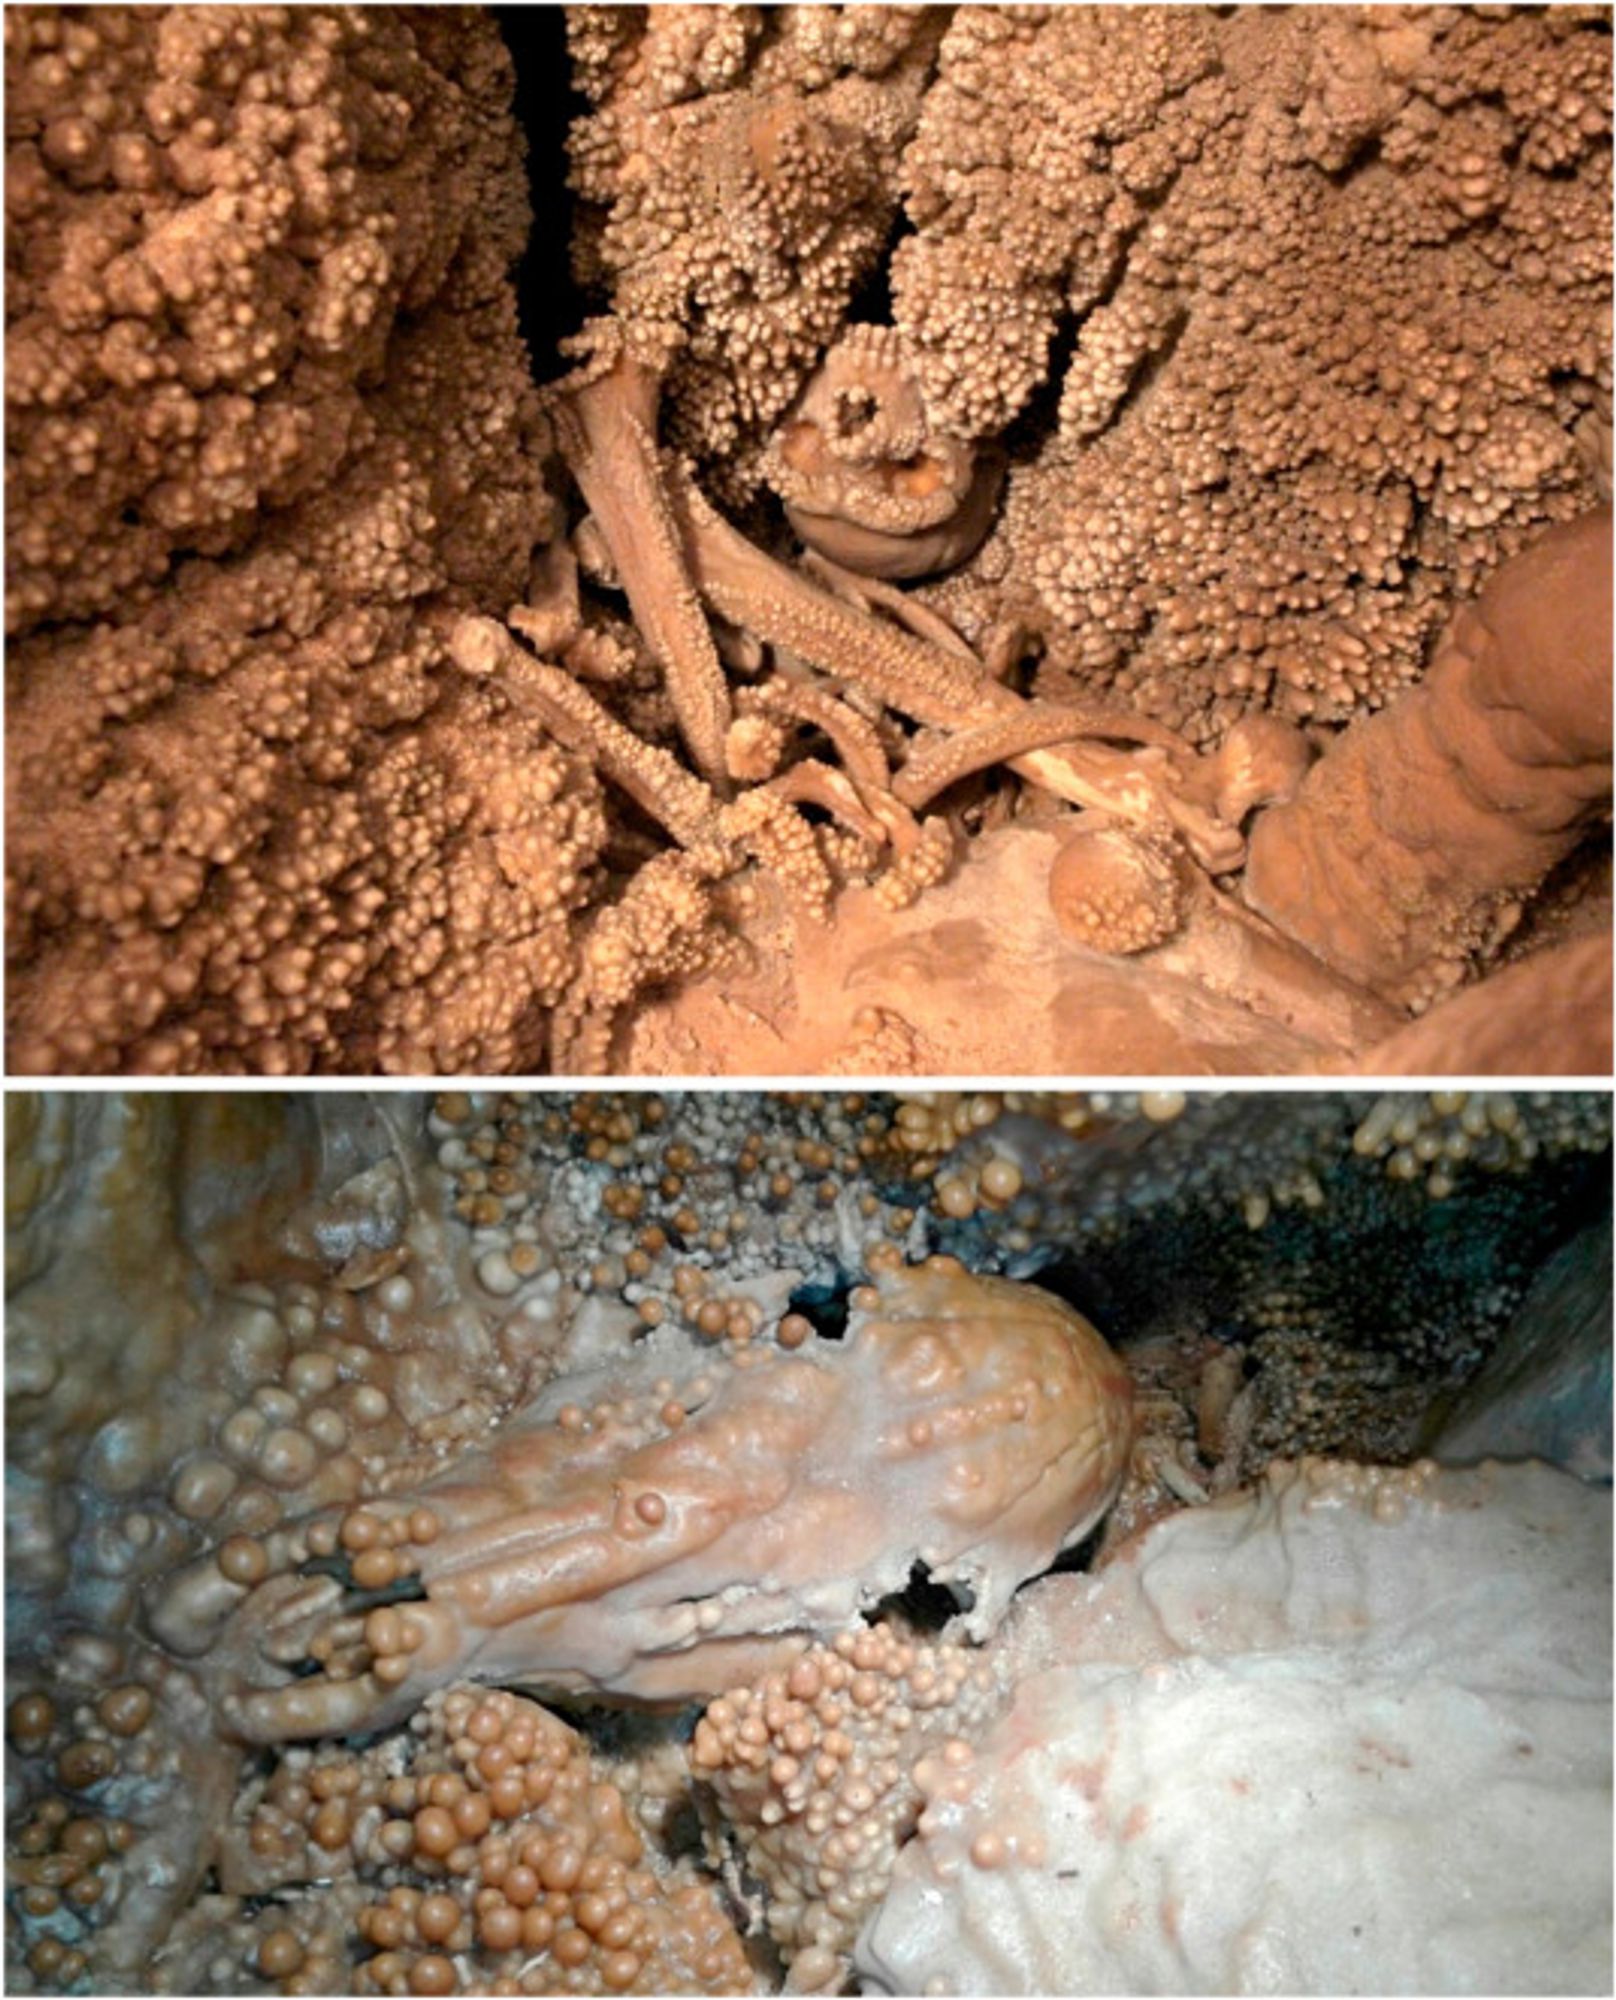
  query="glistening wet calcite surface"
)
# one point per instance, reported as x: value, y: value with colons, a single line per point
x: 560, y: 1543
x: 1091, y: 432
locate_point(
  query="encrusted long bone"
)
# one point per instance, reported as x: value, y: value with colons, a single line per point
x: 782, y: 607
x: 670, y: 545
x: 606, y: 417
x: 655, y: 1529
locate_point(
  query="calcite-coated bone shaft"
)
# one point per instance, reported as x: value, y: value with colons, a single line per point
x: 781, y: 607
x: 651, y: 776
x: 610, y: 442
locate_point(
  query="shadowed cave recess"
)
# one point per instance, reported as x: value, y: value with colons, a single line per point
x: 740, y: 1543
x: 808, y: 540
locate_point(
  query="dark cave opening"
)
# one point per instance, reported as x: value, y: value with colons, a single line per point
x: 871, y: 304
x: 1468, y: 1259
x: 1097, y: 1286
x: 549, y: 304
x: 1080, y: 1556
x: 923, y: 1605
x: 824, y: 1306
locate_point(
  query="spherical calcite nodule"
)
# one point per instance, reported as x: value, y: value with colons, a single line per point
x: 1115, y: 891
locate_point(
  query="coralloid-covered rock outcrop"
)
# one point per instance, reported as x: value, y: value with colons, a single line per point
x: 1060, y: 539
x: 726, y: 1543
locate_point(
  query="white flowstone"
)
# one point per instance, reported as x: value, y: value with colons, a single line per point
x: 1351, y: 1733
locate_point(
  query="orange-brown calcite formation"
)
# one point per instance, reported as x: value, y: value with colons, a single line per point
x: 1290, y: 324
x: 542, y: 1875
x: 657, y: 1529
x: 1414, y: 840
x: 1548, y: 1015
x: 818, y: 1770
x: 489, y: 1850
x: 979, y: 974
x: 269, y: 422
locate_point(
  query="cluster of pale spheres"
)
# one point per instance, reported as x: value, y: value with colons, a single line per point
x: 603, y: 1544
